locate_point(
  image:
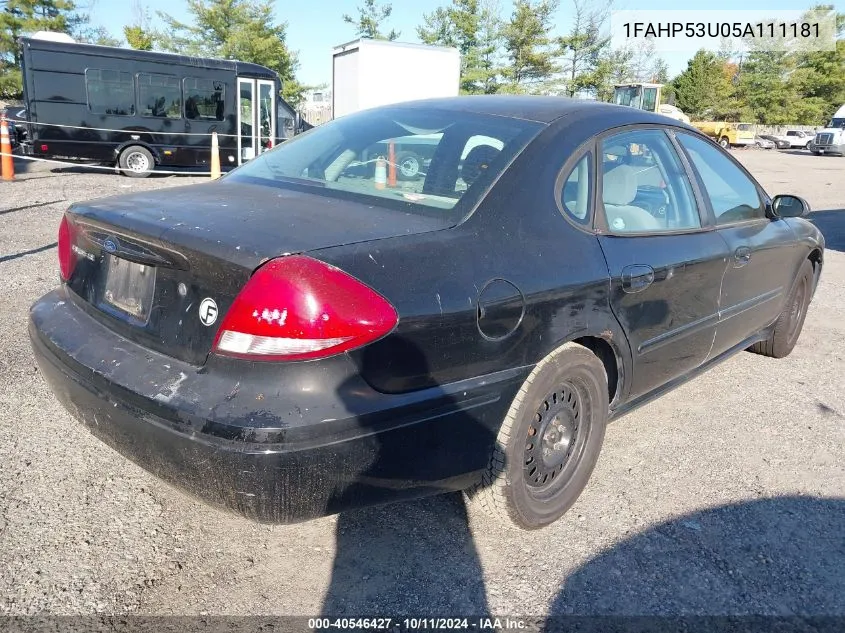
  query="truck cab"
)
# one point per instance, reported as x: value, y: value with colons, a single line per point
x: 646, y: 96
x: 831, y: 139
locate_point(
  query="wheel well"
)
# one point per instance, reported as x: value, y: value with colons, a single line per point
x: 606, y: 354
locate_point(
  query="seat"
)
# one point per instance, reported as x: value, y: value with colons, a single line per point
x: 478, y: 159
x: 619, y: 188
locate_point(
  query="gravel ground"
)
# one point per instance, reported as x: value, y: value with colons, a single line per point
x: 726, y: 496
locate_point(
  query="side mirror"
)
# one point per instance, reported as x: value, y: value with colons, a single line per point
x: 787, y: 206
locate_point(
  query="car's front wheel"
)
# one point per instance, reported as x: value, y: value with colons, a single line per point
x: 549, y: 442
x: 788, y: 327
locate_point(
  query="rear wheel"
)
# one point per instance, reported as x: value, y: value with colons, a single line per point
x: 549, y: 441
x: 136, y: 162
x: 788, y: 327
x: 724, y: 142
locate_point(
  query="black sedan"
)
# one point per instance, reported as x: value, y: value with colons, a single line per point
x: 779, y: 142
x: 302, y: 336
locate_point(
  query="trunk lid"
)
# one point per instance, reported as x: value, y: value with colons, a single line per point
x: 163, y: 267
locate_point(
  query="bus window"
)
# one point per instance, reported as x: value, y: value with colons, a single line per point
x: 110, y: 92
x: 204, y: 99
x: 159, y: 96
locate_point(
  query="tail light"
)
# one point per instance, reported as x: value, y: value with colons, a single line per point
x: 298, y: 308
x: 67, y: 258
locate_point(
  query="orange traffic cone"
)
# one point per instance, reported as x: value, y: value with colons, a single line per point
x: 8, y: 165
x: 215, y: 156
x: 391, y: 165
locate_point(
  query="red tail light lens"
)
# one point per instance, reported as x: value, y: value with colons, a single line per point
x: 298, y: 308
x: 67, y: 258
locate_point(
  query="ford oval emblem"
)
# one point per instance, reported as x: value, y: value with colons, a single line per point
x: 110, y: 245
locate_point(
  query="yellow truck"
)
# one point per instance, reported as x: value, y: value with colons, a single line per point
x: 727, y: 134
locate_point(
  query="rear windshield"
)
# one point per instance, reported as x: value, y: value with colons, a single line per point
x: 429, y: 161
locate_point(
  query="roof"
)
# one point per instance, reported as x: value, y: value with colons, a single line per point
x: 245, y: 68
x: 366, y: 41
x: 543, y: 109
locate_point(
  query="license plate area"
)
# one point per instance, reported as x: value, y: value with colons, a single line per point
x: 128, y: 288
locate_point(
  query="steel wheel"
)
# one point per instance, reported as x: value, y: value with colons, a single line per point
x: 554, y: 440
x: 136, y: 161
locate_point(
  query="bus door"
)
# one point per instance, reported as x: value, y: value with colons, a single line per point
x: 257, y: 103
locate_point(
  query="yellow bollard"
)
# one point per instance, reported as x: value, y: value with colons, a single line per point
x: 7, y: 164
x: 215, y: 156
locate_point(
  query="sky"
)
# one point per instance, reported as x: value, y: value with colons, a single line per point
x: 315, y: 27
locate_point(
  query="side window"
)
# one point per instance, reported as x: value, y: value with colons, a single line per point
x: 733, y: 195
x: 159, y: 96
x: 577, y: 190
x: 110, y: 92
x: 644, y: 186
x: 204, y: 99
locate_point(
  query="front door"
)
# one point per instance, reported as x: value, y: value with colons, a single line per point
x: 762, y: 250
x: 256, y: 117
x: 665, y: 265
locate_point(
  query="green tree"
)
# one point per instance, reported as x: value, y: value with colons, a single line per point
x: 613, y: 67
x: 529, y: 45
x: 703, y: 90
x: 139, y: 34
x: 24, y: 17
x: 245, y: 30
x: 582, y: 48
x: 97, y: 35
x: 368, y: 22
x: 473, y: 27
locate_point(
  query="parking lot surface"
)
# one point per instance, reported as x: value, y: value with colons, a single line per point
x: 726, y: 496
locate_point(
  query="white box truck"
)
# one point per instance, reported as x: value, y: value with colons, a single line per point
x: 831, y: 139
x: 368, y: 73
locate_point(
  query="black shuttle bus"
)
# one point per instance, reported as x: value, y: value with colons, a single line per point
x: 142, y: 109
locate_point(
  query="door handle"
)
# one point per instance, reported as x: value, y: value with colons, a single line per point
x: 742, y: 256
x: 637, y: 277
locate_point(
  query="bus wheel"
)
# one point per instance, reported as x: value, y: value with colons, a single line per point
x: 136, y: 162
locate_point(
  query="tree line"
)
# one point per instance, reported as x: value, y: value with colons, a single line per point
x: 522, y: 52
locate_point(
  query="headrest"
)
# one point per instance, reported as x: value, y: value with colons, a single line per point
x: 478, y: 159
x: 619, y: 185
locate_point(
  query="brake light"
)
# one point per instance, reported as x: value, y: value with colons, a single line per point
x: 298, y: 308
x: 67, y: 258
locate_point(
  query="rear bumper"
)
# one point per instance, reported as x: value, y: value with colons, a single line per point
x: 277, y: 444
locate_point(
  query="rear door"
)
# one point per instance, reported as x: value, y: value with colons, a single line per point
x: 665, y: 262
x: 763, y: 251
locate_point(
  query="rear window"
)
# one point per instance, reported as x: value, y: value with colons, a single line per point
x: 421, y: 161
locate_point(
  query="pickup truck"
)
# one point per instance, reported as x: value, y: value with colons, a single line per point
x: 798, y: 138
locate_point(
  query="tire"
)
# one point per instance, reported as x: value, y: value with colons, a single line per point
x: 136, y: 162
x: 569, y: 386
x: 724, y: 143
x: 409, y: 166
x: 787, y: 328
